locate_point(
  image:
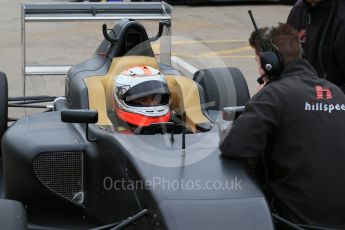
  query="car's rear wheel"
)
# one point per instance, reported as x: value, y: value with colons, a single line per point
x: 223, y: 87
x: 3, y: 105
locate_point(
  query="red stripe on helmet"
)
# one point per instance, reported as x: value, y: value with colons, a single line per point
x: 146, y: 70
x: 138, y: 119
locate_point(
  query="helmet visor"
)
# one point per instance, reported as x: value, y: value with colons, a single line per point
x: 150, y: 100
x: 156, y: 89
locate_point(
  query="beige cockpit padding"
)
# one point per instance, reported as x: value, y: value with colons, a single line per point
x: 185, y: 98
x: 100, y: 87
x: 184, y: 92
x: 97, y: 100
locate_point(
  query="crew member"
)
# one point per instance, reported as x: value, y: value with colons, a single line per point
x: 297, y: 120
x: 321, y: 29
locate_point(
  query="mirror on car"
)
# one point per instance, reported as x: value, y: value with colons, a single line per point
x: 79, y: 116
x: 231, y: 113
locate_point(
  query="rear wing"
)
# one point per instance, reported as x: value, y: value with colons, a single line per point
x: 67, y: 12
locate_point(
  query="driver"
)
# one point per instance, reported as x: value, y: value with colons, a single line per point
x: 140, y: 98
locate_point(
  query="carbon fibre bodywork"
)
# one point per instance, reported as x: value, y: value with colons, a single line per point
x: 113, y: 159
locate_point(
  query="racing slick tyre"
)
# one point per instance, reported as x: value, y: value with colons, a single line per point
x: 223, y: 87
x: 3, y: 105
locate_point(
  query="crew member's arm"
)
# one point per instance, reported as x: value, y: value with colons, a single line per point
x: 293, y: 20
x: 297, y: 16
x: 249, y: 134
x: 339, y: 50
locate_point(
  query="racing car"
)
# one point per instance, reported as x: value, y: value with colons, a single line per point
x: 69, y: 167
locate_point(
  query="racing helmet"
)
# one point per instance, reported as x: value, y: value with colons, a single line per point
x: 141, y: 96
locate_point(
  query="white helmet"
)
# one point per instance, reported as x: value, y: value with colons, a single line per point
x: 136, y: 84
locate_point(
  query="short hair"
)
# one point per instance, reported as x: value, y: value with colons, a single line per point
x: 283, y: 37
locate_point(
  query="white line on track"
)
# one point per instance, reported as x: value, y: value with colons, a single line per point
x: 185, y: 65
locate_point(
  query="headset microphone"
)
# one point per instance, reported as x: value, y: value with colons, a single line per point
x: 271, y: 61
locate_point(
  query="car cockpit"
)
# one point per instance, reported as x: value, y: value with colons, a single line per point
x: 125, y: 46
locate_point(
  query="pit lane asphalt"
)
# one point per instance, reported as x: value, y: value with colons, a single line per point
x: 202, y: 36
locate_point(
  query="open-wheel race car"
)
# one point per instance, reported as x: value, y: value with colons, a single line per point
x: 71, y: 167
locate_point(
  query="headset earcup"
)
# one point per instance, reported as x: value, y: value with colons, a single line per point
x: 271, y: 63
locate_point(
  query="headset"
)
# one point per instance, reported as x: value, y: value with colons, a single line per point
x: 271, y: 60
